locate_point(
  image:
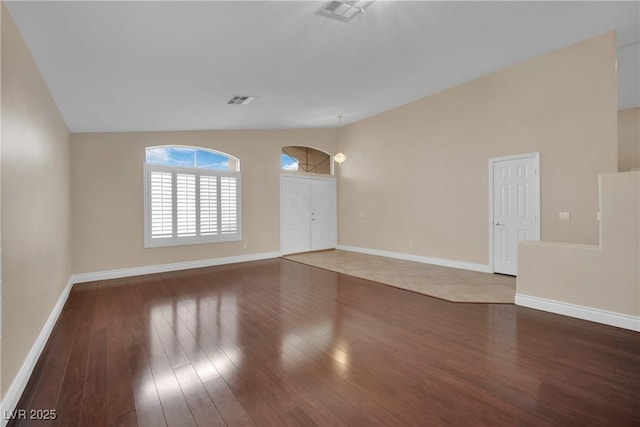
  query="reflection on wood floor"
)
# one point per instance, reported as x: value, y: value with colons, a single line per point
x: 281, y: 343
x: 451, y: 284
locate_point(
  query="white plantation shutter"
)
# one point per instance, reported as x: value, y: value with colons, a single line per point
x: 161, y: 205
x: 229, y: 203
x: 208, y: 205
x: 186, y: 205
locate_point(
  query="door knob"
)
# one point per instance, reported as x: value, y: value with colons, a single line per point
x: 497, y: 223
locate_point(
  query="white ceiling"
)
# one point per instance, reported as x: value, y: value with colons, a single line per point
x: 133, y: 66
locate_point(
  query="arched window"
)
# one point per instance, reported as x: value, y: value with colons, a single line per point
x: 192, y: 195
x: 305, y: 159
x: 191, y: 157
x: 289, y: 163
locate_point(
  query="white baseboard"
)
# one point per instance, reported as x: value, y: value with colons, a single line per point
x: 597, y: 315
x: 483, y: 268
x: 11, y: 398
x: 162, y: 268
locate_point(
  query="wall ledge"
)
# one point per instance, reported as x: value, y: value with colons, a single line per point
x: 15, y: 390
x: 592, y: 314
x: 163, y: 268
x: 463, y: 265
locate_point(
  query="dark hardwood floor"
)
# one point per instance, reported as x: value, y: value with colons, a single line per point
x: 280, y: 343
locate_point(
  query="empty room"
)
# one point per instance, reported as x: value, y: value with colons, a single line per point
x: 299, y: 213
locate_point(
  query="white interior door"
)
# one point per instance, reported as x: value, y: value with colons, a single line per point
x: 323, y: 214
x: 516, y: 208
x: 308, y: 217
x: 295, y: 214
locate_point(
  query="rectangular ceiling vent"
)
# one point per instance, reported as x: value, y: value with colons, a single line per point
x: 343, y: 10
x: 241, y: 100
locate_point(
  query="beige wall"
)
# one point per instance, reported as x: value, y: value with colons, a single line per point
x: 35, y: 202
x: 107, y: 179
x: 419, y: 173
x: 629, y: 139
x: 604, y: 276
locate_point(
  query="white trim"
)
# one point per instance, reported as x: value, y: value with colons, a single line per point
x: 308, y: 176
x: 162, y: 268
x: 492, y: 161
x: 597, y: 315
x: 417, y: 258
x: 12, y: 397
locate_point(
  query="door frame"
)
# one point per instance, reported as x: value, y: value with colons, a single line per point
x: 492, y: 161
x: 307, y: 177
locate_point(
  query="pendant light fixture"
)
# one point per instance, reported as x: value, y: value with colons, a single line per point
x: 339, y: 157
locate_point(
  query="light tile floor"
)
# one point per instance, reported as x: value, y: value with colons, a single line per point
x: 450, y: 284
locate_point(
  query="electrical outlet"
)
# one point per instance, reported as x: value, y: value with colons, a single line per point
x: 410, y: 245
x: 564, y: 216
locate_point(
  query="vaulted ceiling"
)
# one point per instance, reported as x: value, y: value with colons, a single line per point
x: 161, y: 65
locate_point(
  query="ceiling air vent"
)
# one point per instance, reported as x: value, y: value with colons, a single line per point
x: 343, y: 10
x: 241, y: 100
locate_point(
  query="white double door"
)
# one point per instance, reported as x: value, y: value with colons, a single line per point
x: 308, y: 215
x: 516, y: 208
